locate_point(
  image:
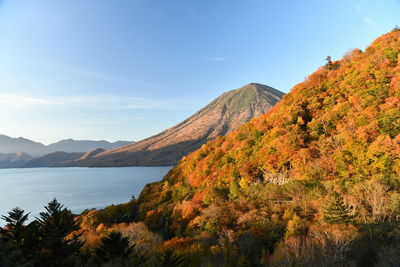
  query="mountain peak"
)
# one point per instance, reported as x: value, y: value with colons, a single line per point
x: 244, y: 97
x: 224, y: 114
x: 255, y: 85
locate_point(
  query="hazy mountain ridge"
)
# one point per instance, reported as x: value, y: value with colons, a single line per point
x: 70, y: 145
x: 22, y: 152
x: 22, y: 145
x: 221, y: 116
x: 55, y: 159
x: 13, y: 160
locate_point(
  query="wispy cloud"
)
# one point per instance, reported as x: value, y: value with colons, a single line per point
x: 217, y: 58
x: 22, y: 101
x: 369, y: 21
x: 101, y: 102
x: 85, y: 73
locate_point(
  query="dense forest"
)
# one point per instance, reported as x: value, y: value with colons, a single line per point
x: 313, y: 182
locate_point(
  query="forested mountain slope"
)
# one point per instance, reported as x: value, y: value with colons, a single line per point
x: 320, y: 169
x: 342, y: 122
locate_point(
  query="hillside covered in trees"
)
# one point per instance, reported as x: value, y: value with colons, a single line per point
x: 313, y: 182
x: 319, y: 171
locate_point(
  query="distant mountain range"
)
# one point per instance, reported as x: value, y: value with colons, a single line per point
x: 52, y: 159
x: 71, y: 145
x: 13, y: 160
x: 22, y: 152
x: 22, y: 145
x: 226, y: 113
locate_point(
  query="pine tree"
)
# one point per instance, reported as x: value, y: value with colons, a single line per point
x: 54, y: 226
x: 14, y: 229
x: 12, y: 239
x: 112, y: 247
x: 329, y: 64
x: 336, y: 211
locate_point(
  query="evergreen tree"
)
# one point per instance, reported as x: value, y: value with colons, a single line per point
x: 32, y: 241
x: 14, y: 229
x: 336, y: 211
x: 112, y: 247
x: 329, y: 64
x: 54, y: 226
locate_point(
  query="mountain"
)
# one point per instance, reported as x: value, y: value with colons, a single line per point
x: 221, y: 116
x: 70, y: 145
x: 23, y: 145
x: 21, y: 152
x: 13, y: 160
x: 318, y: 170
x: 55, y: 159
x: 20, y: 145
x: 92, y: 153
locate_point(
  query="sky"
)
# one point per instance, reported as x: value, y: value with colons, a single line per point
x: 128, y: 69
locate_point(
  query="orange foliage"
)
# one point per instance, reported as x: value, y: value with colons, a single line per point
x: 178, y: 243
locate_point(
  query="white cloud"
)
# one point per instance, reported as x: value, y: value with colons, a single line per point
x: 23, y: 101
x: 357, y: 9
x: 102, y: 102
x: 217, y: 58
x: 369, y: 21
x: 85, y: 73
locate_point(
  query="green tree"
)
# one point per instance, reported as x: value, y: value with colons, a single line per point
x: 54, y: 226
x: 336, y: 211
x: 14, y: 229
x: 389, y: 122
x: 112, y: 247
x: 329, y: 63
x: 234, y: 190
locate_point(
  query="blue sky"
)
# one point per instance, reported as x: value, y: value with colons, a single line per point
x: 127, y: 69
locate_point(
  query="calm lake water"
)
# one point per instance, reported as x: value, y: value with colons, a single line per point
x: 77, y: 188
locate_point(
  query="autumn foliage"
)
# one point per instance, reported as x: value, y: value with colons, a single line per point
x: 270, y: 181
x: 313, y: 182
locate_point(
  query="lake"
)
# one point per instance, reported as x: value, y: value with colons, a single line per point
x: 76, y: 188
